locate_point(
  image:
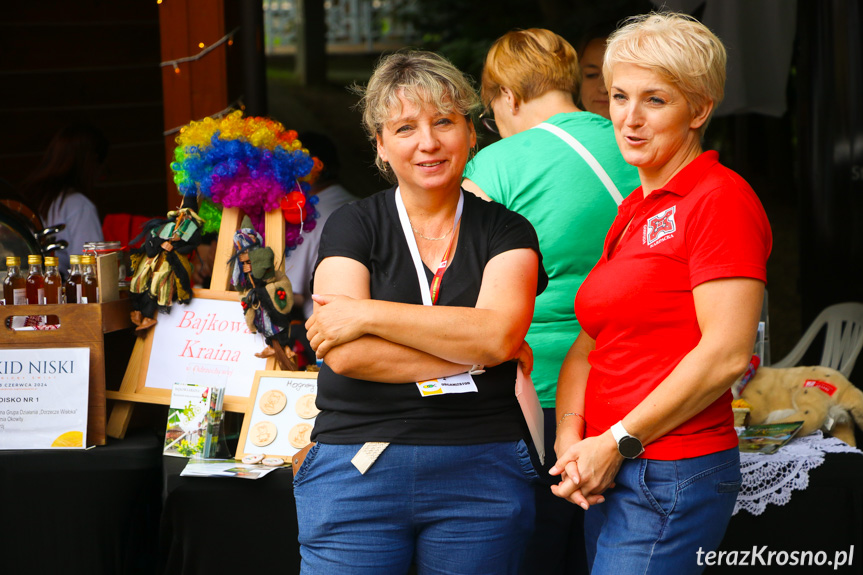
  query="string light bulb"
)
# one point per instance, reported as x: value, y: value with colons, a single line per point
x: 227, y: 38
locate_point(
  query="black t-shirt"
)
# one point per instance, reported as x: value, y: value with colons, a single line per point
x: 357, y: 411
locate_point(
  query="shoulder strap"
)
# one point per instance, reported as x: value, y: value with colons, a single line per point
x: 588, y: 157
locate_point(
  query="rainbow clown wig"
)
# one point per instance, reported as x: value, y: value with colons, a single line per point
x: 252, y: 163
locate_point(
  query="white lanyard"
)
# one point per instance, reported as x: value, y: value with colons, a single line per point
x: 412, y: 241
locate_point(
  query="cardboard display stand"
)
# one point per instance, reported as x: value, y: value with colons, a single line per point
x: 81, y: 325
x: 135, y: 386
x: 44, y: 396
x: 279, y: 425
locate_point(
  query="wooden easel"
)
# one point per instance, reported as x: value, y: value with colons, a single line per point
x: 127, y: 396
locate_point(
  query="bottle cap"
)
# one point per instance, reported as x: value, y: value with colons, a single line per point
x: 50, y: 261
x: 34, y: 259
x: 74, y: 260
x: 13, y: 261
x: 88, y: 260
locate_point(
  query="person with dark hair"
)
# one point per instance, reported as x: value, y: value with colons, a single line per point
x: 591, y: 49
x: 60, y: 191
x: 331, y: 196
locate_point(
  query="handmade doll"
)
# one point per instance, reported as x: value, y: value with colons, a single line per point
x: 161, y: 269
x: 266, y: 295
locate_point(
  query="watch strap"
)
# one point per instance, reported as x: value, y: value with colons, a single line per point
x: 628, y: 446
x: 618, y: 431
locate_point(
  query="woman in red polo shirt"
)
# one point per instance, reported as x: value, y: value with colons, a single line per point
x: 669, y: 316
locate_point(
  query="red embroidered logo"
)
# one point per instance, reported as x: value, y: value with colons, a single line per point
x: 827, y: 388
x: 660, y: 226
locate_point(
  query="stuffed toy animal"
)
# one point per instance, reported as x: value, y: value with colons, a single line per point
x: 820, y: 397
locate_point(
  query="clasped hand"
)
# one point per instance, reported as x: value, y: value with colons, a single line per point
x: 338, y: 319
x: 524, y: 356
x: 587, y: 467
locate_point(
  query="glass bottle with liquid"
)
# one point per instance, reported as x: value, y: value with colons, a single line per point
x: 74, y: 289
x: 53, y: 282
x: 15, y: 284
x: 89, y: 282
x: 35, y: 281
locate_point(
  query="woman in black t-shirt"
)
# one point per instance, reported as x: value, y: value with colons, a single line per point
x: 423, y: 297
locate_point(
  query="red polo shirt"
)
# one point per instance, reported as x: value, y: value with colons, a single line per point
x: 705, y: 224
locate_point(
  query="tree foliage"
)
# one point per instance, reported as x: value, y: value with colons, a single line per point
x: 463, y: 31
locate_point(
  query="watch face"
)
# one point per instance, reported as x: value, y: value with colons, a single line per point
x: 630, y: 447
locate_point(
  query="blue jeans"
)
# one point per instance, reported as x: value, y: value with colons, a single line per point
x: 450, y: 509
x: 661, y: 513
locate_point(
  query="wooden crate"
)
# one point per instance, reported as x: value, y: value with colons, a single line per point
x: 81, y: 325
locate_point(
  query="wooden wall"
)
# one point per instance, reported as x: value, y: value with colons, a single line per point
x: 87, y: 60
x: 98, y: 61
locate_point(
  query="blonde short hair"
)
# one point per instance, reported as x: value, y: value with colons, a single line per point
x: 530, y: 63
x: 678, y: 48
x: 423, y: 79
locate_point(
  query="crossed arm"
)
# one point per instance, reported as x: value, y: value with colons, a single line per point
x: 394, y: 342
x: 727, y: 311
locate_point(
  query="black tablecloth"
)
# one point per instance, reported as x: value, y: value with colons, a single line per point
x: 97, y: 512
x: 214, y: 525
x: 827, y: 516
x: 77, y: 511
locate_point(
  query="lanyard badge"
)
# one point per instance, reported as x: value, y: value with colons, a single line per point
x: 463, y: 382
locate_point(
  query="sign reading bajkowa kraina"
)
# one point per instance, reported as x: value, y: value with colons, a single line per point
x: 43, y: 398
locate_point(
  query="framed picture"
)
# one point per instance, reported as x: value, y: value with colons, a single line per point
x: 280, y: 415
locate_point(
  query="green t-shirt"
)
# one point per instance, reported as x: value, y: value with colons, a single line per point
x: 538, y: 175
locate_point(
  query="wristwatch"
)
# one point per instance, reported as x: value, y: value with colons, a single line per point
x: 629, y: 447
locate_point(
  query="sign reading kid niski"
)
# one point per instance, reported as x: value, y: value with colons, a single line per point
x: 43, y: 398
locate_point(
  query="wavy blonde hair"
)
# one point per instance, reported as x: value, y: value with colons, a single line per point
x: 678, y: 48
x: 423, y: 79
x: 530, y: 63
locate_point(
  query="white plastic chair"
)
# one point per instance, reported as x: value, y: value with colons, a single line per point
x: 842, y: 341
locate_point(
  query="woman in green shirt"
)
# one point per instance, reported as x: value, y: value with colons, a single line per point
x: 560, y: 167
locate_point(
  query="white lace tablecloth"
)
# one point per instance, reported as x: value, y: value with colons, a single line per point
x: 772, y: 478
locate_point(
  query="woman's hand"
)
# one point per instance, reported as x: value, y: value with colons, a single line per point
x: 727, y: 310
x: 587, y: 468
x: 337, y: 319
x: 524, y: 355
